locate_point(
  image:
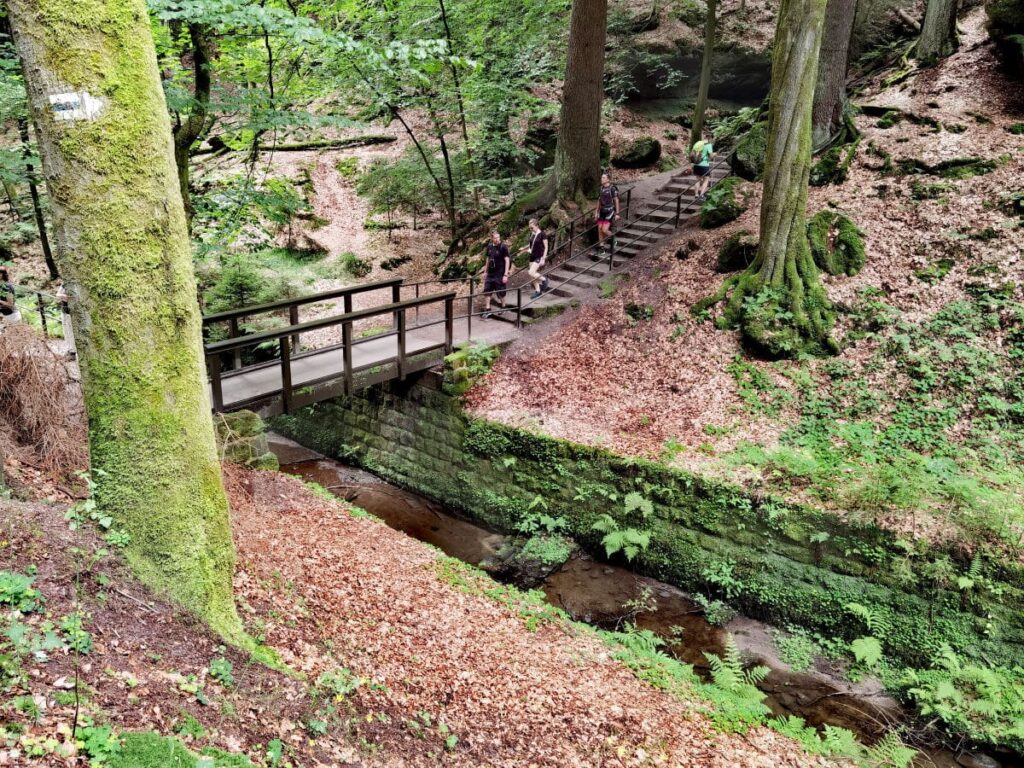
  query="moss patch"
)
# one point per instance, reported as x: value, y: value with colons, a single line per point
x: 836, y: 243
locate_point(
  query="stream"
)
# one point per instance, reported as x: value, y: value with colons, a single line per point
x: 596, y: 593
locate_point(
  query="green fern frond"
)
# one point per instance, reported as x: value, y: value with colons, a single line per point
x: 890, y: 752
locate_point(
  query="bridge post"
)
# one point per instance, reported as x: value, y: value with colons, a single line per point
x: 293, y: 319
x: 346, y: 340
x: 572, y: 236
x: 469, y: 314
x: 519, y: 307
x: 629, y: 197
x: 396, y: 296
x: 400, y: 324
x: 236, y: 356
x: 611, y: 253
x: 286, y: 375
x: 213, y: 366
x: 679, y: 208
x: 449, y: 325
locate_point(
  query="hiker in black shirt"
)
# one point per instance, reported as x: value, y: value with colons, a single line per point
x: 607, y: 209
x: 538, y: 248
x: 498, y: 266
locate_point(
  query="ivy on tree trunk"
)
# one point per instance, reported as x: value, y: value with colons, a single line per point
x: 123, y: 249
x: 779, y: 303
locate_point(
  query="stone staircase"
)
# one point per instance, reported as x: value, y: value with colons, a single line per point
x: 652, y: 219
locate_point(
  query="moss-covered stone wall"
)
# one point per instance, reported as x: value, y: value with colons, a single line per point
x: 781, y: 563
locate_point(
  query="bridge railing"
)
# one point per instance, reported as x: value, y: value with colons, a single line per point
x: 404, y: 361
x: 41, y: 310
x: 236, y: 317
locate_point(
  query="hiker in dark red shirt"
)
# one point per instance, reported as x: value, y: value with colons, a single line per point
x: 497, y: 268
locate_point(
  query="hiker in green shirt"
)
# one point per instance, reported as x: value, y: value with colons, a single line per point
x: 700, y: 156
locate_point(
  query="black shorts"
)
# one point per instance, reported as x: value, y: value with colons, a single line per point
x: 494, y: 285
x: 701, y: 170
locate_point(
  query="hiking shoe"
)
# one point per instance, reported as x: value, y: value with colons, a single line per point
x: 535, y: 295
x: 485, y: 316
x: 545, y: 286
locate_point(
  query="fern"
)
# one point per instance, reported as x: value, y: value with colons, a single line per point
x: 635, y: 501
x: 728, y: 673
x: 878, y: 624
x: 867, y: 651
x: 890, y: 752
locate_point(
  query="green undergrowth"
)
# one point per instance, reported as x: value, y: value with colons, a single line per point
x: 930, y: 427
x: 730, y: 699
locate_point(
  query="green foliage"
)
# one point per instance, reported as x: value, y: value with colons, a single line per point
x: 723, y: 203
x: 17, y: 592
x: 984, y: 702
x: 464, y: 367
x: 796, y: 648
x: 836, y: 243
x: 239, y: 285
x: 546, y: 549
x: 146, y: 749
x: 629, y: 541
x: 353, y: 265
x: 222, y: 671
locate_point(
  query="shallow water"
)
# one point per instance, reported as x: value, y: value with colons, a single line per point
x: 600, y: 594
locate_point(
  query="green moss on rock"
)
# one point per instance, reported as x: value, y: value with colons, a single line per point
x: 723, y: 204
x: 748, y: 160
x: 834, y: 166
x: 836, y: 243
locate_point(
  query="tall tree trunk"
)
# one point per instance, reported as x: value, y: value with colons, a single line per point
x: 578, y: 154
x: 195, y: 125
x: 123, y: 248
x: 710, y: 24
x: 778, y: 303
x: 938, y: 30
x: 830, y: 92
x: 33, y: 191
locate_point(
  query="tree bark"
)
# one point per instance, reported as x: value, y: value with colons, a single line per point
x: 33, y: 191
x: 123, y: 248
x: 830, y: 92
x: 195, y: 125
x: 578, y: 154
x: 778, y: 303
x: 938, y: 30
x: 710, y: 24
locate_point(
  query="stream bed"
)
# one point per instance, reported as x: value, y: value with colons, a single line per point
x: 601, y: 595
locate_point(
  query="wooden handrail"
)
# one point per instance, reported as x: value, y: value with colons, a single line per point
x: 310, y: 299
x: 228, y: 345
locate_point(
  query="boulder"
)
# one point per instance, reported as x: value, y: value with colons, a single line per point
x: 748, y: 160
x: 640, y: 153
x: 723, y: 204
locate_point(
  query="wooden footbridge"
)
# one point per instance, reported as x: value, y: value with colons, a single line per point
x: 402, y: 328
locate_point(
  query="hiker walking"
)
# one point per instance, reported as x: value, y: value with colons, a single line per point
x: 9, y: 314
x: 700, y: 156
x: 538, y: 248
x: 607, y: 209
x: 497, y: 266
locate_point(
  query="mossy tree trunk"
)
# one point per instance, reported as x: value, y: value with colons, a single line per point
x: 710, y: 31
x: 938, y: 30
x: 779, y: 303
x: 123, y: 249
x: 830, y: 102
x: 578, y: 153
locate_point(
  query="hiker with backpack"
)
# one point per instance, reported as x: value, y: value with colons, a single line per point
x: 538, y: 249
x: 497, y: 268
x: 701, y: 155
x: 607, y: 210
